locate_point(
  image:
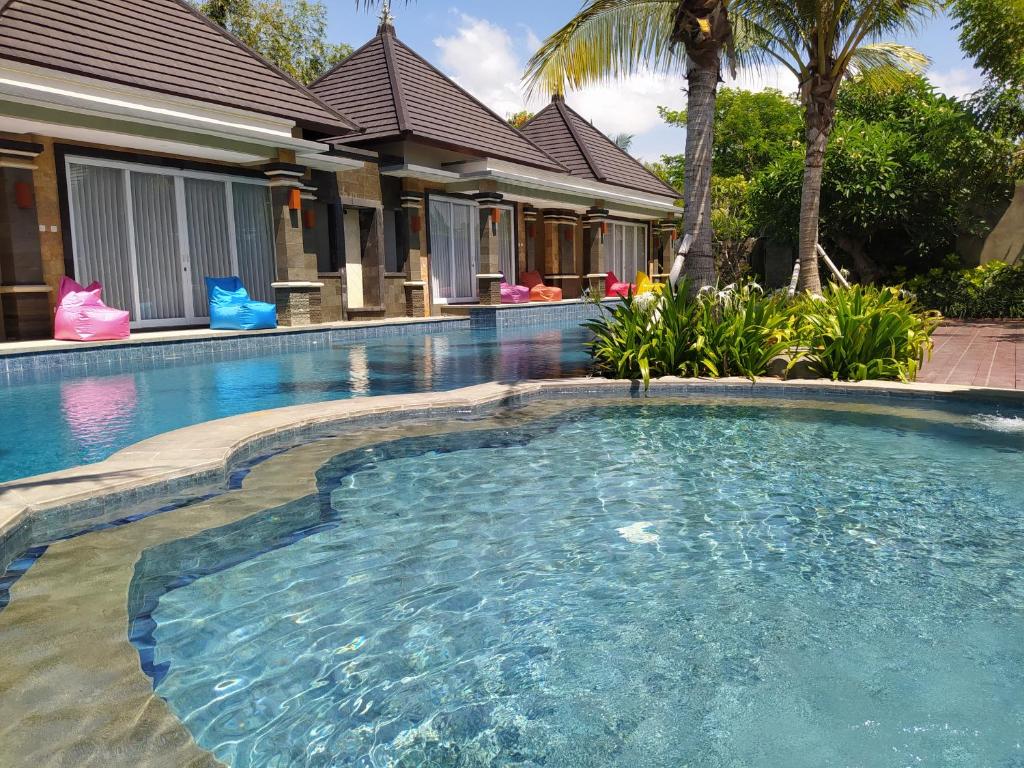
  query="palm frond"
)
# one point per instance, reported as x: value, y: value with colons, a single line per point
x: 605, y: 40
x: 887, y: 63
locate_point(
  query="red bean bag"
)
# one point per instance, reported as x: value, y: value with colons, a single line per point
x: 615, y: 287
x: 539, y: 291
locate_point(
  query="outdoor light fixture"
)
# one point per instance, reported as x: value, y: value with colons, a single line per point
x: 309, y: 218
x: 414, y: 223
x: 23, y: 194
x: 295, y: 199
x: 495, y: 218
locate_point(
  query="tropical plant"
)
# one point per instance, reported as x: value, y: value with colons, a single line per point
x: 992, y: 290
x: 291, y: 34
x: 821, y: 43
x: 737, y: 331
x: 609, y: 38
x: 623, y: 141
x: 909, y: 171
x: 863, y: 332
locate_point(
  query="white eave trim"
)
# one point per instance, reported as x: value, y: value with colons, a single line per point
x: 34, y: 85
x: 560, y: 182
x: 411, y: 171
x: 332, y: 163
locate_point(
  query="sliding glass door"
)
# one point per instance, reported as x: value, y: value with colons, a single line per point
x: 152, y: 235
x: 454, y: 249
x: 628, y: 252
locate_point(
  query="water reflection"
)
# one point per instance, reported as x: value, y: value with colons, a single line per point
x: 98, y: 411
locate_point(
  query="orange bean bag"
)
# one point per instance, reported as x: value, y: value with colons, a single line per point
x: 539, y: 291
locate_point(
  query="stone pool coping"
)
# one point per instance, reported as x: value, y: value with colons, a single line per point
x: 58, y: 504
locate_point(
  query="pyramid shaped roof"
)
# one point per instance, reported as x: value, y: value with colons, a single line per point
x: 393, y: 92
x: 165, y: 46
x: 586, y: 152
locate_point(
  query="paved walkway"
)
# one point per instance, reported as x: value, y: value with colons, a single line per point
x: 981, y: 353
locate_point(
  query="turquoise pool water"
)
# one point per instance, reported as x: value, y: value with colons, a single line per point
x: 56, y: 421
x: 659, y: 585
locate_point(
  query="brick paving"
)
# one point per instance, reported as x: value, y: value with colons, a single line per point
x: 981, y: 353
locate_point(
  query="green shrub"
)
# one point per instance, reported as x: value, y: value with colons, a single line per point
x: 734, y: 332
x: 992, y: 290
x: 850, y: 333
x: 863, y: 332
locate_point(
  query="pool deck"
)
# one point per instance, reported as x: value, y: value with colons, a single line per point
x: 977, y: 353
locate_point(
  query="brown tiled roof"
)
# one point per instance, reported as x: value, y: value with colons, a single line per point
x: 588, y: 153
x: 159, y: 45
x: 392, y: 92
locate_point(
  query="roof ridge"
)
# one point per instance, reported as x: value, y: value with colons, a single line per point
x: 566, y: 114
x: 394, y: 80
x: 621, y: 151
x: 479, y: 103
x: 261, y: 59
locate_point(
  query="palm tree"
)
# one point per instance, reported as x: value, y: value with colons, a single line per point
x: 611, y: 38
x: 821, y: 42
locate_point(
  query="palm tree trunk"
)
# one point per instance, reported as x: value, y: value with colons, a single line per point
x: 699, y: 267
x: 820, y: 100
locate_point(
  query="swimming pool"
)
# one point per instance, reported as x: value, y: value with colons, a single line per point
x: 58, y: 421
x: 702, y: 584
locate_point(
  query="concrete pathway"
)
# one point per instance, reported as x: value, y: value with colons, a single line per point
x: 980, y: 353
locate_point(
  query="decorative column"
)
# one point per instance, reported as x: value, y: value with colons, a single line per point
x: 595, y: 259
x: 559, y: 257
x: 24, y: 296
x: 297, y: 290
x: 530, y: 239
x: 416, y: 266
x: 665, y: 237
x: 488, y: 279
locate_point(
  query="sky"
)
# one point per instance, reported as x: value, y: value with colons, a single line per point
x: 484, y: 46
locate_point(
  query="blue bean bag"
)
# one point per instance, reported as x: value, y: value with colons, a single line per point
x: 231, y: 309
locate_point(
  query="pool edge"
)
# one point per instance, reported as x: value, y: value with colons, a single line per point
x: 202, y: 455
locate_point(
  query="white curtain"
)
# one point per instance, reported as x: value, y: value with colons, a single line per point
x: 466, y: 245
x: 254, y: 236
x: 158, y: 254
x: 628, y: 253
x: 209, y: 237
x: 507, y: 246
x: 441, y: 249
x: 100, y: 231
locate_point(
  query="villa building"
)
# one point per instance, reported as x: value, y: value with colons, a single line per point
x: 144, y: 147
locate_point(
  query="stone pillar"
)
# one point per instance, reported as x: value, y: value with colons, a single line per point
x: 666, y: 235
x: 24, y: 295
x: 560, y: 252
x: 296, y: 290
x: 488, y: 278
x: 417, y: 269
x: 531, y: 242
x: 595, y: 258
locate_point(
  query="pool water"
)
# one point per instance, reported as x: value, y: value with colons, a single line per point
x: 63, y: 421
x: 627, y: 585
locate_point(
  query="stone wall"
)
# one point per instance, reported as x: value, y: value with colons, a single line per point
x: 394, y: 294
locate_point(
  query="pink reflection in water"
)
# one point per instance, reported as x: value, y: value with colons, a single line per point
x: 97, y: 410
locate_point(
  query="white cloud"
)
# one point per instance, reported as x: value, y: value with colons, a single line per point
x: 958, y: 81
x: 629, y: 105
x: 774, y: 76
x: 482, y: 58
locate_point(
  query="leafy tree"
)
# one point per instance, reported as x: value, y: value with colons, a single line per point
x: 609, y: 38
x: 291, y: 34
x: 519, y: 119
x: 992, y: 33
x: 821, y: 43
x: 908, y: 171
x: 751, y: 129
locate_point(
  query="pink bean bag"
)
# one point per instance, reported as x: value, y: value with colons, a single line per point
x: 514, y: 294
x: 82, y: 315
x: 615, y: 287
